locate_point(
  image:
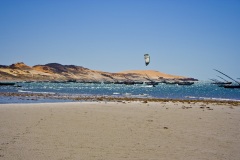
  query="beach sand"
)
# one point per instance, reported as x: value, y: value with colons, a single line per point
x: 120, y: 130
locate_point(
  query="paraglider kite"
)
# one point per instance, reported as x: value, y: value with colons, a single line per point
x: 147, y: 59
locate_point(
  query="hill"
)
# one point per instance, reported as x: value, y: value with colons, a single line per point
x: 153, y: 74
x: 58, y: 72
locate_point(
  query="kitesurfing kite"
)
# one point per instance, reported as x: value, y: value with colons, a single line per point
x: 147, y: 59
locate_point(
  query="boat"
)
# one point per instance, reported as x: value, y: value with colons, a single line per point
x: 229, y: 86
x: 138, y: 82
x: 232, y: 86
x: 72, y: 81
x: 151, y: 83
x: 107, y: 82
x: 220, y: 83
x: 170, y: 82
x: 128, y: 82
x: 7, y: 83
x: 185, y: 83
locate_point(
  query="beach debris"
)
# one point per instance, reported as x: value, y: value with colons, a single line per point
x: 165, y: 127
x: 162, y: 102
x: 145, y: 101
x: 147, y: 59
x: 99, y: 99
x: 208, y: 108
x: 185, y: 107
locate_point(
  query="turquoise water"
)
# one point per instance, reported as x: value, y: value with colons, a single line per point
x: 199, y: 90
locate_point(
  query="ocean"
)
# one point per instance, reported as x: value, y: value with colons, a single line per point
x: 199, y: 90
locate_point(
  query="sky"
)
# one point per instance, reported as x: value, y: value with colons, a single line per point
x: 183, y: 37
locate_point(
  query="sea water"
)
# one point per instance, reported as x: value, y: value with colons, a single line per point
x: 199, y: 90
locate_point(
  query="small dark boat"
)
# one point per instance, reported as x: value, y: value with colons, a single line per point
x: 88, y: 82
x: 138, y: 82
x: 170, y: 82
x: 58, y: 81
x: 72, y: 80
x: 232, y: 86
x: 107, y: 82
x: 151, y: 83
x: 185, y: 83
x: 129, y: 83
x: 17, y: 86
x: 7, y: 83
x: 222, y: 83
x: 118, y: 82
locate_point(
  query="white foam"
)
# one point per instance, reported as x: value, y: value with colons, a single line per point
x: 21, y: 91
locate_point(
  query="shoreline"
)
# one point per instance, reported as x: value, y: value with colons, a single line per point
x: 99, y: 98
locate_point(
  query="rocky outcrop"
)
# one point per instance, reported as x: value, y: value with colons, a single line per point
x: 20, y: 65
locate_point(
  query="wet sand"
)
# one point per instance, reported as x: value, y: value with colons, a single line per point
x: 120, y: 130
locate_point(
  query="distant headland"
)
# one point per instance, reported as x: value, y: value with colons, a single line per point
x: 58, y: 72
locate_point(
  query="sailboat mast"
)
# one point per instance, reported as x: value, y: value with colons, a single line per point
x: 223, y: 79
x: 227, y: 76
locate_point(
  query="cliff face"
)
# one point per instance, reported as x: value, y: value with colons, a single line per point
x: 59, y: 72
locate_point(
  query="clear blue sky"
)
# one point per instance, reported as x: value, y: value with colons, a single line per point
x: 183, y: 37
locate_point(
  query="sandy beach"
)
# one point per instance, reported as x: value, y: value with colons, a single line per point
x: 120, y: 130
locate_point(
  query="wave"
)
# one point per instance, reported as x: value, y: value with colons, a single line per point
x: 146, y: 86
x: 210, y: 98
x: 22, y: 91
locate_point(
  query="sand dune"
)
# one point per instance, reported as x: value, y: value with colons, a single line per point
x: 152, y: 74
